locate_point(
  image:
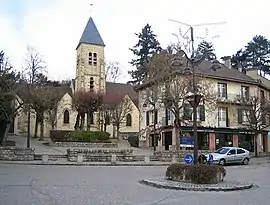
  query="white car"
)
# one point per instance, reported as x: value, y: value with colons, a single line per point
x: 230, y: 155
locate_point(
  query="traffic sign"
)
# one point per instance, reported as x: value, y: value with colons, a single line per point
x: 188, y: 159
x: 211, y: 159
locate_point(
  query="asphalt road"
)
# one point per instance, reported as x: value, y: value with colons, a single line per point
x: 63, y: 185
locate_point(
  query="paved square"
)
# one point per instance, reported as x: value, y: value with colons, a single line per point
x: 59, y: 185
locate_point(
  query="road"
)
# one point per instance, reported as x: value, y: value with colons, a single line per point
x: 62, y: 185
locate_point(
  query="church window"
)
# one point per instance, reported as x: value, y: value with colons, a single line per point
x: 91, y: 84
x: 95, y: 59
x: 66, y: 117
x: 128, y: 120
x: 90, y: 58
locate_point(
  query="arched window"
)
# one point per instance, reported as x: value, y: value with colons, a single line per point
x: 90, y: 58
x: 66, y: 117
x: 95, y: 59
x: 128, y: 120
x: 91, y: 84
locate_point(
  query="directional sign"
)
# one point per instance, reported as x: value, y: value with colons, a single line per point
x: 211, y: 159
x: 188, y: 159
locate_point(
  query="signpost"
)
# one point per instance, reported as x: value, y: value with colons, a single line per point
x: 188, y: 159
x: 211, y: 159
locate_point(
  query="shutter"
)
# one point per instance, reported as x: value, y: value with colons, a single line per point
x: 147, y: 118
x: 166, y: 116
x: 156, y: 117
x: 227, y: 117
x: 202, y: 113
x: 226, y: 92
x: 240, y: 116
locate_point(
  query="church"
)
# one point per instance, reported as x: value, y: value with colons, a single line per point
x: 90, y: 75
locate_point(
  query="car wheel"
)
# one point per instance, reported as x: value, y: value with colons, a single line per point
x: 245, y: 161
x: 222, y: 162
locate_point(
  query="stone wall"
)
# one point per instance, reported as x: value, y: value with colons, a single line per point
x: 100, y: 155
x: 167, y: 156
x: 16, y: 154
x: 84, y: 144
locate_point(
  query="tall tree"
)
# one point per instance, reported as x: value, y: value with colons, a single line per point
x: 9, y: 102
x: 147, y: 46
x: 206, y: 49
x: 256, y: 54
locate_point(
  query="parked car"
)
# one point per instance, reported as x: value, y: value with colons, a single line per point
x: 230, y: 155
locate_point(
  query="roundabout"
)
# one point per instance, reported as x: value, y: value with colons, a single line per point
x: 224, y: 186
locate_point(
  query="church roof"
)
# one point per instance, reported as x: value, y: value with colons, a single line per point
x: 91, y: 35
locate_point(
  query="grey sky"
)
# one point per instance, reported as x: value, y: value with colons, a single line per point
x: 56, y: 28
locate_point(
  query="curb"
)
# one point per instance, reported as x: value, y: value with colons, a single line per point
x: 202, y: 189
x: 88, y: 164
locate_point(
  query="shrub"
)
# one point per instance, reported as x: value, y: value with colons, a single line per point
x: 79, y: 136
x: 199, y: 174
x: 133, y: 141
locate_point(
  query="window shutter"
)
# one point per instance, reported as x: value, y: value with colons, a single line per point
x: 156, y: 117
x: 147, y: 118
x: 240, y: 116
x: 202, y: 113
x: 227, y: 117
x: 166, y: 116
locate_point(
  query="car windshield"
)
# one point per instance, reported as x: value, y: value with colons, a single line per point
x: 222, y: 151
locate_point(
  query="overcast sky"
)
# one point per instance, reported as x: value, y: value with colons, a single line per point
x: 54, y: 27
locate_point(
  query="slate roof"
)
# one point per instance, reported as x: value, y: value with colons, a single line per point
x: 121, y: 89
x: 204, y: 68
x: 91, y: 35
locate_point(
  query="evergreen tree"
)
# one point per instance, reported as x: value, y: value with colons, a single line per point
x: 256, y: 54
x: 147, y: 46
x: 207, y: 49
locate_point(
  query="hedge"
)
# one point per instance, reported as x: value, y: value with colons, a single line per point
x: 198, y: 174
x: 79, y: 136
x: 133, y: 141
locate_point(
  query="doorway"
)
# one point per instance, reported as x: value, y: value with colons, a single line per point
x: 168, y: 140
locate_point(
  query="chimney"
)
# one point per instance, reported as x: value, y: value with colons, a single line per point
x: 227, y: 61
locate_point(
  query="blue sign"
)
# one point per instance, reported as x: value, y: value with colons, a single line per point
x: 211, y: 159
x: 188, y: 159
x: 186, y: 141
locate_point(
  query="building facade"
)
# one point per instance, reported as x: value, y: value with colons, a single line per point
x: 224, y: 125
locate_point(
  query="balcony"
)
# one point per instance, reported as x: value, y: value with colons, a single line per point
x: 230, y: 98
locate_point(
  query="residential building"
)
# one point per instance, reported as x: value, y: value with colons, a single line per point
x: 225, y: 125
x: 90, y: 75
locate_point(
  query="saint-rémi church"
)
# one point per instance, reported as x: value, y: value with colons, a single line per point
x: 90, y: 74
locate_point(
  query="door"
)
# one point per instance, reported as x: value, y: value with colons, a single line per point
x: 241, y: 154
x: 231, y: 156
x: 168, y: 140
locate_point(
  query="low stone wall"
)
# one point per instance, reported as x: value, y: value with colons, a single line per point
x: 16, y: 154
x: 167, y: 156
x: 100, y: 155
x: 84, y: 144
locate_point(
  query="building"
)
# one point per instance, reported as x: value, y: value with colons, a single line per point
x: 90, y: 75
x: 226, y: 125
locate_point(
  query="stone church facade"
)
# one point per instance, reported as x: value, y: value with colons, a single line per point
x: 90, y: 75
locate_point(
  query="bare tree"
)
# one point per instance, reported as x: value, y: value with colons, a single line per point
x: 119, y: 107
x: 86, y: 103
x: 10, y: 104
x: 254, y: 112
x: 113, y: 71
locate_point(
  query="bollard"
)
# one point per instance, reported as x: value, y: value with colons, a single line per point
x: 45, y: 158
x: 174, y: 159
x: 147, y: 159
x: 113, y: 159
x: 80, y: 159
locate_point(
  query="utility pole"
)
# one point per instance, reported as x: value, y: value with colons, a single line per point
x: 197, y: 98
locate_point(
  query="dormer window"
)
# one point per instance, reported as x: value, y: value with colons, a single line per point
x: 91, y: 84
x: 90, y: 58
x: 95, y: 59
